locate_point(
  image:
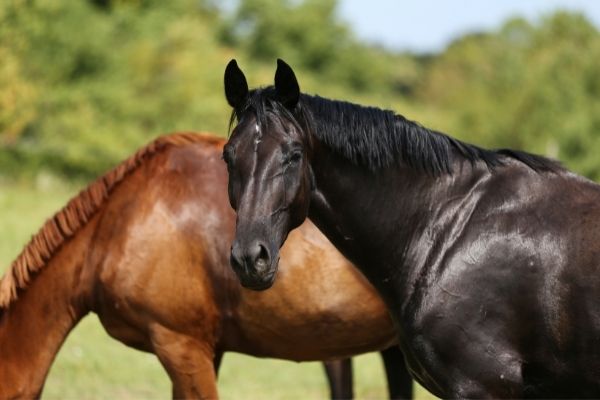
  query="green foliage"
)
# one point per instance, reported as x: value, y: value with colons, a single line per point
x: 309, y: 34
x: 534, y: 87
x: 269, y: 28
x: 84, y: 83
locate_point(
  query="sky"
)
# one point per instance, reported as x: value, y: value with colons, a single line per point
x: 429, y: 25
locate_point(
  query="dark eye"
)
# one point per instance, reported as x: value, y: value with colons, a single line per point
x: 296, y: 156
x: 227, y: 156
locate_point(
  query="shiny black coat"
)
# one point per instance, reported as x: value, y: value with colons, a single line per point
x: 488, y: 260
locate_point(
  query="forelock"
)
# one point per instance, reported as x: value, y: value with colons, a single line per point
x: 270, y: 114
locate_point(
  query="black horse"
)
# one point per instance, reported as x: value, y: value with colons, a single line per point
x: 488, y: 260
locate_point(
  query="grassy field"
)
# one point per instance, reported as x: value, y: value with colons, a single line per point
x: 91, y: 365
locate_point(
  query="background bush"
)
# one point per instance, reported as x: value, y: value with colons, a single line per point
x: 84, y: 83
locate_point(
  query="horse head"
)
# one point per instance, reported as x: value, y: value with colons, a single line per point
x: 270, y: 178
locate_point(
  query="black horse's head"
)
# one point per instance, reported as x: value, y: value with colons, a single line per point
x: 269, y: 174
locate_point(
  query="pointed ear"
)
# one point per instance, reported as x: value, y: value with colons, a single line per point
x: 286, y: 85
x: 236, y: 87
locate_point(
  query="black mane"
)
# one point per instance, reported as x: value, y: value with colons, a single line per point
x: 377, y: 138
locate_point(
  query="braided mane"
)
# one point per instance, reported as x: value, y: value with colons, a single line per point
x: 78, y: 211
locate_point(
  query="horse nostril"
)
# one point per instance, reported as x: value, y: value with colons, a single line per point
x: 261, y: 260
x: 254, y: 259
x: 236, y: 259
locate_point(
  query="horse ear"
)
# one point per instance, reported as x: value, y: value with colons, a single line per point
x: 236, y: 87
x: 286, y: 85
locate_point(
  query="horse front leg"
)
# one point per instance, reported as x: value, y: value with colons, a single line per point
x: 189, y: 363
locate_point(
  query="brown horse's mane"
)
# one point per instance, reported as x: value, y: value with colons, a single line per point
x: 78, y: 211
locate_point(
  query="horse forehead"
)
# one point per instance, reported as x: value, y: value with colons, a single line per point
x: 244, y: 135
x: 257, y: 136
x: 254, y: 152
x: 262, y: 139
x: 267, y: 149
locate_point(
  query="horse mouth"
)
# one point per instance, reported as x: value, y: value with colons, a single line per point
x: 259, y: 284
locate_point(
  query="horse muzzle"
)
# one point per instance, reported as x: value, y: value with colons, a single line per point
x: 254, y: 265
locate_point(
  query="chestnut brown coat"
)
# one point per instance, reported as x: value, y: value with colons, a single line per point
x: 146, y: 247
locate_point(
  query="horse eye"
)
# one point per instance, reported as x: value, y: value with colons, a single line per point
x: 296, y: 156
x: 226, y: 156
x: 293, y: 157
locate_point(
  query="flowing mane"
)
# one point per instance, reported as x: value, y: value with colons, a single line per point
x: 377, y: 138
x: 78, y: 211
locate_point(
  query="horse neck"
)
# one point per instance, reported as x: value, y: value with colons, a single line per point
x: 375, y: 217
x: 35, y: 325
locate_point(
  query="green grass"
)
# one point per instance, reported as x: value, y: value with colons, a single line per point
x: 91, y: 365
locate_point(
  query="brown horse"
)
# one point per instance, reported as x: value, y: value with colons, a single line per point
x: 146, y: 247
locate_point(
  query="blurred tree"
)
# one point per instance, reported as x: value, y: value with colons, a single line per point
x: 83, y: 83
x: 17, y: 98
x: 527, y: 86
x: 82, y: 86
x: 309, y: 34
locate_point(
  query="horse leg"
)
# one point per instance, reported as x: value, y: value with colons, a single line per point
x: 398, y: 378
x: 189, y: 363
x: 339, y: 376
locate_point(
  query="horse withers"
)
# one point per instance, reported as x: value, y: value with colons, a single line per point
x: 487, y: 259
x: 146, y: 247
